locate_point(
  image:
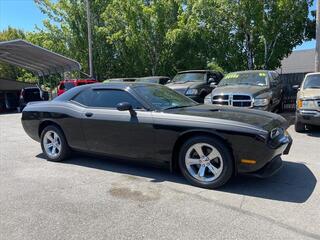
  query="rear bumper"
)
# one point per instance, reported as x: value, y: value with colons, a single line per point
x: 311, y: 117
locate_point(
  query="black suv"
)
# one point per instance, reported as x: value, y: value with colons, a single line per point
x: 252, y: 89
x: 31, y: 94
x: 195, y: 84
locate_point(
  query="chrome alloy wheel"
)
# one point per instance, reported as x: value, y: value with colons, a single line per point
x: 52, y: 144
x: 204, y: 162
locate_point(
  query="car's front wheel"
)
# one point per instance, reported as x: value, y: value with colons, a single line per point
x: 206, y: 162
x: 54, y: 144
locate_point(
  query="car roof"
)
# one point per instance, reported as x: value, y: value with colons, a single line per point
x: 110, y: 85
x: 30, y: 88
x: 154, y: 77
x: 315, y: 73
x: 195, y: 71
x: 78, y: 80
x: 118, y: 85
x: 116, y: 79
x: 254, y: 71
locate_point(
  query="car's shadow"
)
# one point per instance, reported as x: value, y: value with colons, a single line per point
x: 293, y: 183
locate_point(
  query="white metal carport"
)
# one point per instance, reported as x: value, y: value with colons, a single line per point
x: 39, y: 60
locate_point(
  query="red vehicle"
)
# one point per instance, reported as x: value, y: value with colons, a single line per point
x: 65, y: 85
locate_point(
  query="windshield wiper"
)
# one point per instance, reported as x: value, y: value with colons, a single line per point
x: 314, y: 87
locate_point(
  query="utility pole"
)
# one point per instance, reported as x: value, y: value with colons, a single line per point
x: 317, y: 60
x: 89, y: 39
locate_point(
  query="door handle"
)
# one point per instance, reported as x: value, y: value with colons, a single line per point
x: 88, y: 114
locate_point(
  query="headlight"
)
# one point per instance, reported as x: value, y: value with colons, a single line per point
x: 192, y: 91
x: 276, y: 132
x: 305, y: 104
x: 207, y: 99
x: 259, y: 102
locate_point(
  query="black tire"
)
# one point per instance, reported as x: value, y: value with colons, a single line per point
x: 299, y: 127
x: 65, y: 149
x: 227, y: 159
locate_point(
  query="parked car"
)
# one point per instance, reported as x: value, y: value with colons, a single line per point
x: 196, y: 84
x: 119, y: 80
x: 31, y: 94
x: 66, y: 85
x: 308, y: 102
x: 250, y: 89
x: 152, y: 123
x: 9, y: 100
x: 154, y: 79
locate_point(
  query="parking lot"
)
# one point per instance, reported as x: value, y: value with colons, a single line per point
x: 99, y: 198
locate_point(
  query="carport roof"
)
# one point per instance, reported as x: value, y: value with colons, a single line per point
x: 35, y: 58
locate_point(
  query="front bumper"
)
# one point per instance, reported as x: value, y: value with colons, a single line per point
x: 311, y: 117
x: 269, y: 169
x: 267, y: 156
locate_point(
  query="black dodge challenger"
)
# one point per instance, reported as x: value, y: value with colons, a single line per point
x: 150, y: 122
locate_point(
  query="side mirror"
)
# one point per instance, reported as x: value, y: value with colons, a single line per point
x: 213, y: 84
x: 296, y: 87
x: 125, y: 106
x: 211, y: 80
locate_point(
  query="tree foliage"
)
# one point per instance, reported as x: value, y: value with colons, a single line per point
x: 159, y: 37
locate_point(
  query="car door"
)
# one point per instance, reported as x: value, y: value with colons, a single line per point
x: 275, y: 88
x: 113, y: 132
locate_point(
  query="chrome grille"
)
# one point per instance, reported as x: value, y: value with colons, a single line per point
x: 236, y: 100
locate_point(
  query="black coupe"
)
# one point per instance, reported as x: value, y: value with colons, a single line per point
x: 150, y: 122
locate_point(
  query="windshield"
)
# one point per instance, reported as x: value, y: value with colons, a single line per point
x: 162, y: 97
x: 32, y: 95
x: 312, y: 81
x: 245, y: 78
x: 189, y: 77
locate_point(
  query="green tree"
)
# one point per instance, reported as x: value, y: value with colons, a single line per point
x: 248, y: 34
x: 138, y: 32
x: 65, y: 32
x: 8, y: 70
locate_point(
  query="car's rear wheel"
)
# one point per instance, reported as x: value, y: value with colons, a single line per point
x: 54, y: 144
x: 206, y: 162
x: 299, y: 127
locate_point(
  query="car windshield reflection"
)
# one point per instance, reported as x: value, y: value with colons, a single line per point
x: 163, y: 98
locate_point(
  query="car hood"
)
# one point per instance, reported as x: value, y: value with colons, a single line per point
x: 259, y: 119
x: 240, y: 89
x: 310, y: 94
x: 184, y: 85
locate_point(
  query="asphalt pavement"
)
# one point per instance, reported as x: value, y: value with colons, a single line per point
x: 100, y: 198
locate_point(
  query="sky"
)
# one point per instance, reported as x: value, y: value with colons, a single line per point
x: 24, y: 14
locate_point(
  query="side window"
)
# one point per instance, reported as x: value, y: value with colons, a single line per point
x: 163, y: 81
x: 275, y: 78
x: 106, y: 98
